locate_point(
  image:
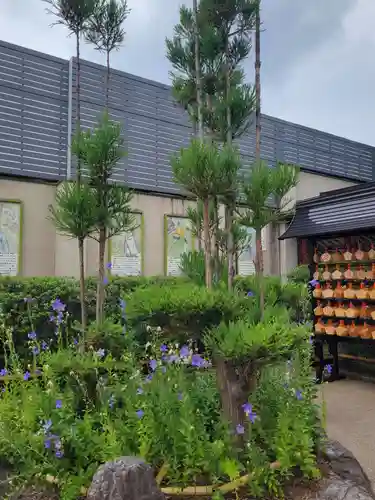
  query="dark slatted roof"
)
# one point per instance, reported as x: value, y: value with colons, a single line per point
x: 341, y: 211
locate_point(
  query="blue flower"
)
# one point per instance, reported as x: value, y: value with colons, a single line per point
x: 184, y: 351
x: 47, y: 444
x: 105, y: 280
x: 44, y: 346
x: 47, y: 426
x: 299, y: 395
x: 31, y: 336
x: 59, y: 404
x: 59, y: 454
x: 58, y: 306
x: 198, y: 361
x: 313, y: 283
x: 240, y: 429
x: 35, y: 350
x: 100, y: 353
x: 3, y: 372
x: 111, y: 402
x: 329, y: 369
x: 109, y: 265
x: 153, y: 364
x: 248, y: 409
x: 140, y: 413
x: 172, y: 358
x: 26, y: 375
x: 250, y: 294
x: 164, y: 348
x: 139, y: 391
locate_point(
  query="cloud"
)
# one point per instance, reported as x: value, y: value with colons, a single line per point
x: 317, y: 67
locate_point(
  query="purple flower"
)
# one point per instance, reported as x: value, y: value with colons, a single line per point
x: 109, y: 265
x: 35, y: 350
x: 172, y: 358
x: 47, y: 444
x: 198, y: 361
x: 58, y: 404
x: 299, y: 395
x: 149, y: 377
x: 329, y: 369
x: 58, y: 306
x: 313, y: 283
x: 3, y: 372
x: 153, y: 364
x: 140, y: 413
x: 59, y: 454
x: 164, y: 348
x: 248, y: 409
x: 240, y: 429
x: 31, y: 336
x: 250, y: 294
x: 100, y: 353
x: 26, y: 375
x: 105, y: 280
x: 44, y: 346
x: 47, y: 426
x: 184, y: 352
x: 139, y: 391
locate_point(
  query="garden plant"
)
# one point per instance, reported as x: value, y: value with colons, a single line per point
x: 206, y: 377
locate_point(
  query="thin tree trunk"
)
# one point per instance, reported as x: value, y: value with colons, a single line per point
x: 101, y: 277
x: 107, y: 83
x: 198, y: 71
x: 81, y: 240
x: 207, y: 242
x: 259, y: 268
x: 82, y: 288
x: 257, y: 85
x: 229, y: 210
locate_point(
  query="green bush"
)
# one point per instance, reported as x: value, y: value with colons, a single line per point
x: 300, y: 274
x: 26, y: 303
x: 62, y: 426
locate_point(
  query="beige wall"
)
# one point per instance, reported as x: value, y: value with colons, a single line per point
x: 309, y: 186
x: 38, y: 234
x: 46, y: 253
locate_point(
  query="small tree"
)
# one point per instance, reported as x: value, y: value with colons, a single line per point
x: 105, y: 31
x: 198, y: 168
x: 260, y: 188
x: 74, y: 15
x: 100, y: 150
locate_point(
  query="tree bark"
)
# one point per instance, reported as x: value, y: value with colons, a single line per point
x: 259, y: 268
x: 235, y: 384
x: 100, y: 296
x: 78, y: 106
x: 207, y: 242
x: 82, y: 285
x: 198, y: 71
x: 257, y: 85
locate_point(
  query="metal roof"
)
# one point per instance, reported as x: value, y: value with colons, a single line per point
x: 335, y: 212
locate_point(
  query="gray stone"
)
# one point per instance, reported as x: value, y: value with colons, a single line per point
x: 336, y: 488
x: 127, y: 478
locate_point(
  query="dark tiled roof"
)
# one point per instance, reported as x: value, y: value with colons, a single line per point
x: 345, y: 210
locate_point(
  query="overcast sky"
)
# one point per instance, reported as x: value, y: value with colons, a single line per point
x: 318, y: 62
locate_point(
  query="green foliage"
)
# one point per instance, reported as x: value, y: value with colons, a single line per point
x: 193, y: 266
x: 263, y: 184
x: 104, y: 28
x: 184, y: 311
x: 299, y: 274
x: 74, y: 14
x: 263, y: 341
x: 74, y: 211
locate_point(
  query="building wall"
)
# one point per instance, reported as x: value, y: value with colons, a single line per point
x: 44, y: 252
x: 309, y: 186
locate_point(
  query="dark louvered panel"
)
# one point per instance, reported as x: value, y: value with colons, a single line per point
x: 33, y: 113
x: 335, y: 212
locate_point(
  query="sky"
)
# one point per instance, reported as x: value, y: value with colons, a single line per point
x: 318, y: 64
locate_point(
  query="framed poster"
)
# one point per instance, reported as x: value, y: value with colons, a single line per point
x: 126, y: 250
x: 246, y: 258
x: 10, y: 237
x: 177, y: 240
